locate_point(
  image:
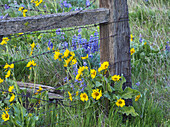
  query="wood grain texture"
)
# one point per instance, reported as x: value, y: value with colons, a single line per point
x: 53, y: 21
x: 116, y: 49
x: 30, y: 86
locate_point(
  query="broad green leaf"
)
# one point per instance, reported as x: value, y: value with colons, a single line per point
x: 106, y: 94
x: 118, y: 85
x: 128, y: 111
x: 87, y: 104
x: 98, y: 84
x: 129, y: 93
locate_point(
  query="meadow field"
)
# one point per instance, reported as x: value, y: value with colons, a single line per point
x: 68, y: 60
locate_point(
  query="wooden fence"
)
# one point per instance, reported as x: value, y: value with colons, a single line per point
x: 113, y: 19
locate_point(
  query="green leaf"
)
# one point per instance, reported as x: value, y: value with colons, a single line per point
x: 118, y: 85
x: 128, y: 111
x: 129, y: 93
x: 98, y: 84
x: 87, y: 105
x: 106, y: 94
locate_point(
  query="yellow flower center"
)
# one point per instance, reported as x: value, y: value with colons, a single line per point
x: 84, y: 96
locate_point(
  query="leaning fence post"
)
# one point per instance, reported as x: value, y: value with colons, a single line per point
x: 116, y: 48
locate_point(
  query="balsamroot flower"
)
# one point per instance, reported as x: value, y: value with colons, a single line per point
x: 66, y: 53
x: 1, y: 80
x: 137, y: 97
x: 10, y: 88
x: 132, y: 51
x: 5, y: 116
x: 120, y: 102
x: 85, y: 57
x: 31, y: 64
x: 70, y: 96
x: 40, y: 89
x: 4, y: 40
x: 83, y: 97
x: 12, y: 98
x: 57, y: 55
x: 8, y: 66
x: 93, y: 73
x: 8, y: 74
x: 116, y: 78
x: 96, y: 94
x: 131, y: 37
x: 104, y: 66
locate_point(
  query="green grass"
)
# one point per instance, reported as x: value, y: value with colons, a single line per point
x: 149, y: 19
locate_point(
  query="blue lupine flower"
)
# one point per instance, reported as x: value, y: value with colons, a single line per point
x: 79, y: 30
x: 65, y: 4
x: 140, y: 38
x: 6, y: 7
x: 91, y: 56
x: 91, y: 41
x: 87, y: 2
x: 79, y: 38
x: 58, y: 31
x: 84, y: 63
x: 1, y: 17
x: 167, y: 47
x: 65, y: 45
x: 50, y: 44
x: 138, y: 83
x: 74, y: 42
x: 65, y: 79
x: 96, y: 42
x: 85, y: 45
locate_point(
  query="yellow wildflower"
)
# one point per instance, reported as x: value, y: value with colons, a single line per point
x: 137, y: 97
x: 78, y: 76
x: 74, y: 61
x: 40, y: 89
x: 32, y: 45
x: 56, y: 55
x: 145, y: 43
x: 4, y: 40
x: 85, y: 57
x: 31, y: 64
x: 11, y: 66
x: 105, y: 65
x: 1, y: 80
x: 66, y: 53
x: 8, y: 74
x: 116, y: 78
x: 120, y: 102
x: 77, y: 93
x: 96, y: 94
x: 70, y: 96
x: 6, y: 108
x: 20, y: 9
x: 12, y: 98
x: 84, y: 97
x: 132, y: 51
x: 5, y: 116
x: 8, y: 66
x: 131, y: 37
x: 24, y: 12
x: 100, y: 69
x: 93, y: 73
x: 10, y: 88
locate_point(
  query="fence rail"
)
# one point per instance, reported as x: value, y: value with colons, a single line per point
x: 53, y: 21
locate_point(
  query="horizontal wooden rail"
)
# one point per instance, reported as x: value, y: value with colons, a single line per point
x: 53, y: 21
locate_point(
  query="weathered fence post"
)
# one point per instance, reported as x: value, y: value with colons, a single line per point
x: 116, y: 48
